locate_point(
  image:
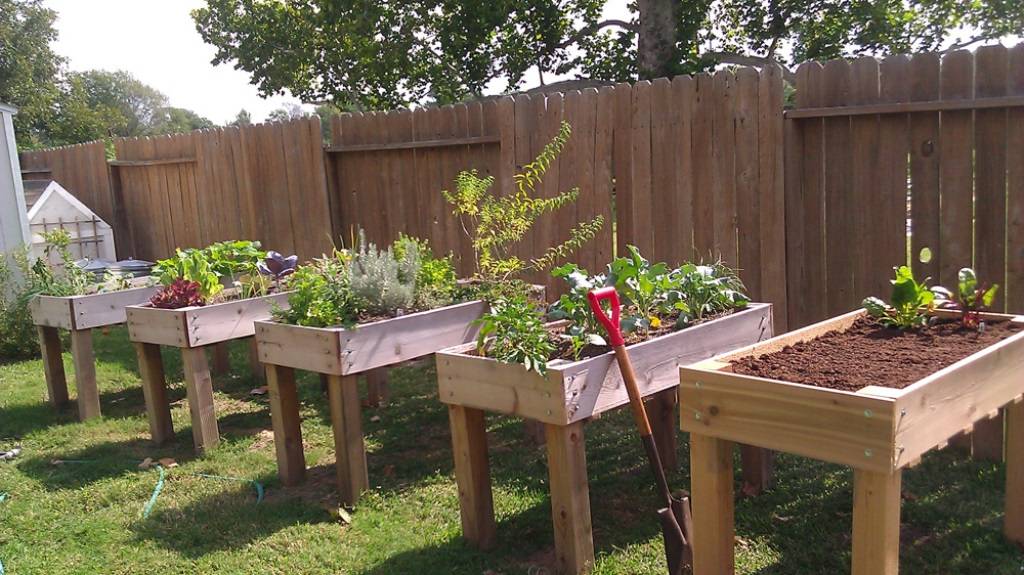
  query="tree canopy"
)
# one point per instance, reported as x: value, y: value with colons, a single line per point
x: 29, y: 68
x: 378, y: 53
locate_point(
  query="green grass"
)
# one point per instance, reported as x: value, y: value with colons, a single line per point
x: 85, y: 517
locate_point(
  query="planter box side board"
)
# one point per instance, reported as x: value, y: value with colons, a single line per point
x: 104, y: 309
x: 229, y: 320
x: 298, y: 347
x: 594, y: 386
x: 953, y: 399
x: 575, y: 391
x: 836, y: 426
x: 403, y: 338
x: 157, y: 326
x: 50, y: 311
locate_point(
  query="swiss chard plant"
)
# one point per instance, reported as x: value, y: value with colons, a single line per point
x: 908, y: 305
x: 971, y: 299
x: 513, y: 332
x: 496, y: 223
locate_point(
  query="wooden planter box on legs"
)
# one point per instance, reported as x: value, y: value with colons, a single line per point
x: 79, y: 315
x: 878, y: 431
x: 192, y: 330
x: 339, y: 355
x: 569, y: 395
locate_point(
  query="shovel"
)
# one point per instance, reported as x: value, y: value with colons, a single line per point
x: 676, y: 522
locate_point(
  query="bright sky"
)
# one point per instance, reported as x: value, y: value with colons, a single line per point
x: 156, y: 41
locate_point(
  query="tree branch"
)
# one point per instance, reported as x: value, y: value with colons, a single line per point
x: 753, y: 61
x: 967, y: 43
x: 595, y: 28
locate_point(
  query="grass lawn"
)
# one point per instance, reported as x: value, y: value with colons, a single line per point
x: 85, y: 515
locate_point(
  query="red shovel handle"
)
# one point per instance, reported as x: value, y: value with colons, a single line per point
x: 595, y: 297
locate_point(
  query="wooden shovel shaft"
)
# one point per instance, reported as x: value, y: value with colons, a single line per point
x: 636, y: 401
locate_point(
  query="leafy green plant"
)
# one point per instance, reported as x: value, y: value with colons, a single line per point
x: 17, y: 330
x: 971, y: 298
x: 707, y: 289
x: 513, y: 332
x: 909, y: 305
x: 191, y: 265
x: 236, y: 260
x: 234, y: 257
x: 495, y: 224
x: 320, y: 295
x: 436, y: 281
x: 573, y: 306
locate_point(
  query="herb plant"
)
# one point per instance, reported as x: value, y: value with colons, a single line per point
x: 381, y: 281
x: 513, y: 332
x: 971, y: 298
x: 909, y: 305
x: 320, y: 296
x: 495, y: 224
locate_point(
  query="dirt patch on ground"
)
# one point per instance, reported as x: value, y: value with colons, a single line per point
x: 871, y: 354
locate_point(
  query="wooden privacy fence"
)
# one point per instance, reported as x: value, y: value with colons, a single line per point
x: 884, y: 159
x: 875, y: 161
x: 687, y: 168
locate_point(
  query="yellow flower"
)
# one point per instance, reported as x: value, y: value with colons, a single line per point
x: 655, y: 322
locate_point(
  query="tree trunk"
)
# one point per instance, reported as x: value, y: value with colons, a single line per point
x: 657, y: 38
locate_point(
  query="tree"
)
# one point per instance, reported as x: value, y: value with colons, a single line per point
x: 390, y: 53
x: 29, y: 68
x: 171, y: 120
x: 243, y: 118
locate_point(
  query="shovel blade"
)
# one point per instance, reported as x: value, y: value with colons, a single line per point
x: 675, y: 543
x: 684, y: 518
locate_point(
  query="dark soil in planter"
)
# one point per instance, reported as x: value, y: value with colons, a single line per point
x: 869, y: 353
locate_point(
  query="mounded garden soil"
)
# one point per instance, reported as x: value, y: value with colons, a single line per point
x: 869, y: 353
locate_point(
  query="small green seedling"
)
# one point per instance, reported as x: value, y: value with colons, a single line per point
x: 910, y: 303
x: 971, y: 298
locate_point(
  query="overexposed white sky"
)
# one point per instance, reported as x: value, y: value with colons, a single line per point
x: 156, y: 41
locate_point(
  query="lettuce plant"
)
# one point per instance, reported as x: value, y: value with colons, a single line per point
x: 909, y: 305
x: 178, y: 294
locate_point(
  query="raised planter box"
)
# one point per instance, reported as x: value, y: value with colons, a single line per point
x: 191, y: 329
x: 79, y: 315
x: 340, y: 355
x: 568, y: 395
x: 878, y: 431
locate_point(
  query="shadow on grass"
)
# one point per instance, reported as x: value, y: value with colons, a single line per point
x: 231, y: 519
x: 76, y: 469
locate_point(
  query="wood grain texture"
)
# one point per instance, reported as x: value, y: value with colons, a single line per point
x: 876, y: 523
x: 924, y: 167
x: 711, y: 477
x: 473, y: 475
x: 53, y: 366
x: 199, y: 392
x: 349, y: 449
x: 84, y: 360
x: 284, y: 418
x: 957, y: 169
x: 1013, y: 522
x: 570, y: 498
x: 154, y: 392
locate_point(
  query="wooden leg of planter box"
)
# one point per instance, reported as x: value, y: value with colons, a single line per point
x: 255, y: 366
x: 53, y: 366
x: 661, y: 410
x: 221, y: 358
x: 85, y: 374
x: 199, y: 389
x: 473, y: 475
x: 713, y: 507
x: 1013, y: 525
x: 570, y: 498
x: 284, y: 417
x: 377, y: 392
x: 346, y: 419
x: 758, y: 467
x: 154, y: 390
x: 987, y: 439
x: 534, y: 431
x: 876, y: 522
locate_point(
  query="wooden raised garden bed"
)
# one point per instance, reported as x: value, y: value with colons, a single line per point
x: 340, y: 355
x: 877, y: 430
x: 191, y: 329
x: 569, y: 395
x: 79, y: 315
